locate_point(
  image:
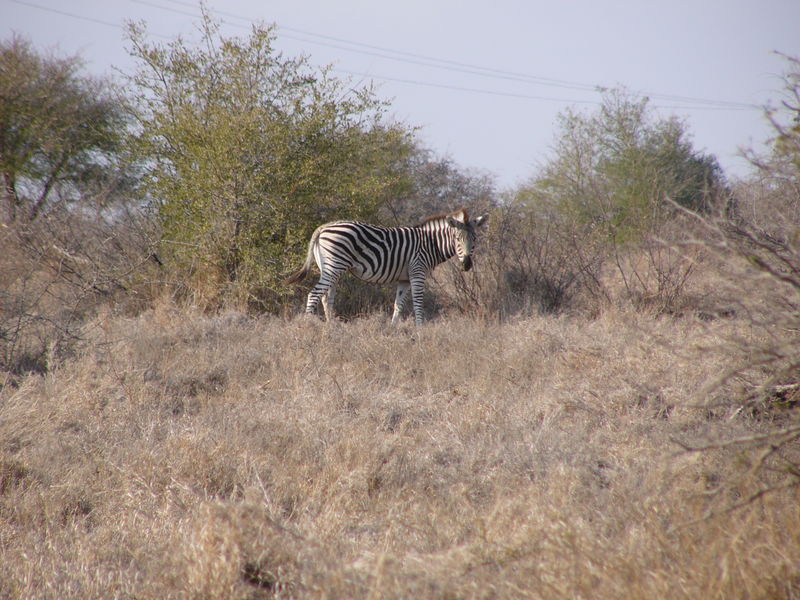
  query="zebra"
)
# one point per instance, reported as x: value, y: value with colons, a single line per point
x: 376, y: 254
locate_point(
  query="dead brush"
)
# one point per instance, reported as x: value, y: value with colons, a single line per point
x: 357, y: 460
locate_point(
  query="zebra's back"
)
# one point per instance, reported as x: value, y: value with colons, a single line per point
x: 372, y: 253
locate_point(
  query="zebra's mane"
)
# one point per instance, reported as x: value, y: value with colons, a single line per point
x: 444, y: 216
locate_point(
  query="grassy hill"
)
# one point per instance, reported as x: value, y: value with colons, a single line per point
x: 179, y: 455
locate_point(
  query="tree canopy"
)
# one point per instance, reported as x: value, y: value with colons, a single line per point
x: 60, y: 130
x: 621, y: 167
x: 247, y: 151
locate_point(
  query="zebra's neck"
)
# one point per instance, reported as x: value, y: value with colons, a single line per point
x: 440, y: 236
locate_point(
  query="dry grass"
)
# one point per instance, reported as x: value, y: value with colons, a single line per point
x: 185, y: 456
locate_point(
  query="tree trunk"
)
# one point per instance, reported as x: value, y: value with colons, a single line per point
x: 11, y: 197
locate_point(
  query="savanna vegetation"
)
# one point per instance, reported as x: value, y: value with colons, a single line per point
x: 605, y: 407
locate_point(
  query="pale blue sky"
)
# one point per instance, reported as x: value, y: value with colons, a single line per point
x: 472, y: 103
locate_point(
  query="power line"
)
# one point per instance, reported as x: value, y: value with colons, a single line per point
x: 687, y: 102
x: 154, y: 5
x: 501, y: 74
x: 79, y: 17
x: 464, y: 89
x: 411, y: 57
x: 522, y: 96
x: 523, y: 78
x: 451, y: 65
x: 67, y: 14
x: 387, y: 53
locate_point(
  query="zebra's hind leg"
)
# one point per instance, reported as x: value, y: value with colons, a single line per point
x: 314, y: 296
x: 325, y: 290
x: 400, y: 300
x: 327, y: 303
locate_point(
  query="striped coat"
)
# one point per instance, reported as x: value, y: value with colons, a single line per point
x: 376, y: 254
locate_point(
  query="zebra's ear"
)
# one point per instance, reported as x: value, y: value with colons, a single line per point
x: 481, y: 220
x: 453, y: 222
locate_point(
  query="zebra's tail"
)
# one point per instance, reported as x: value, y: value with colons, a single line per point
x: 298, y: 276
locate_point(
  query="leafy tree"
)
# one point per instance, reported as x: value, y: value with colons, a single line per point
x: 610, y: 192
x: 72, y: 238
x: 248, y: 151
x: 60, y: 131
x: 620, y: 168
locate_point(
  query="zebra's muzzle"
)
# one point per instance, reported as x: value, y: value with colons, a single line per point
x: 467, y: 263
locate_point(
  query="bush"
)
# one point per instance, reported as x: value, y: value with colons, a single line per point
x: 758, y: 248
x: 58, y: 271
x: 247, y: 153
x: 525, y: 263
x: 598, y: 222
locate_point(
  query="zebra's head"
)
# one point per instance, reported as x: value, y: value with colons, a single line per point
x: 464, y: 235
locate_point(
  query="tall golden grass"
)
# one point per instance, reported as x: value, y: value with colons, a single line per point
x: 181, y: 455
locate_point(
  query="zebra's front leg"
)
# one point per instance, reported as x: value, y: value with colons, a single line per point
x: 417, y: 292
x: 400, y: 300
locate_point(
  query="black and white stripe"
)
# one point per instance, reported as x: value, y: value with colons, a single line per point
x: 386, y: 255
